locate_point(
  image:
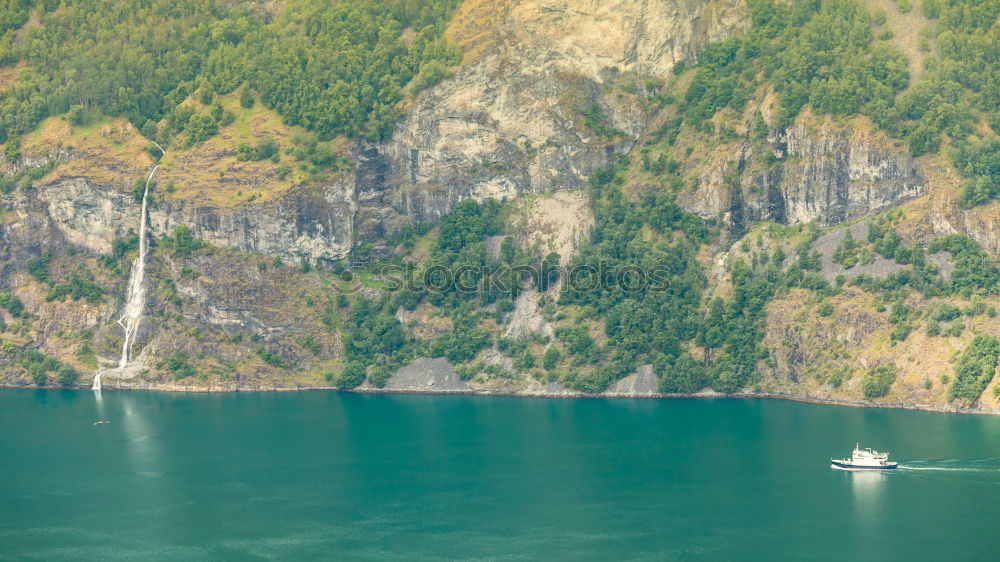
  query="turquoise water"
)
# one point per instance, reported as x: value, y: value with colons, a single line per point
x: 330, y: 475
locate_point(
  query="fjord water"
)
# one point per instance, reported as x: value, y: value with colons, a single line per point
x: 332, y: 475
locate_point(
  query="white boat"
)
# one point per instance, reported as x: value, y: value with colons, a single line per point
x: 865, y: 459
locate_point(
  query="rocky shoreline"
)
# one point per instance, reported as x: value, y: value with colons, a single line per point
x: 171, y: 387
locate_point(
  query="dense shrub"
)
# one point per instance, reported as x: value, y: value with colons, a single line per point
x: 684, y: 375
x: 177, y: 363
x: 877, y: 381
x: 67, y: 375
x: 976, y: 368
x: 352, y: 375
x: 181, y: 243
x: 550, y: 360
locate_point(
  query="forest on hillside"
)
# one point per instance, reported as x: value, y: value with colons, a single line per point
x: 335, y: 68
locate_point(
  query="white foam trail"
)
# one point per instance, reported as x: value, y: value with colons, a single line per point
x: 946, y: 469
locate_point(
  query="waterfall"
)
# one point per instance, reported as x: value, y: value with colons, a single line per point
x: 135, y: 300
x: 136, y: 297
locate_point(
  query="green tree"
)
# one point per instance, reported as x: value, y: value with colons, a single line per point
x: 431, y: 72
x: 182, y: 242
x: 352, y: 375
x: 877, y: 381
x: 685, y: 375
x: 246, y: 98
x: 976, y: 368
x: 550, y: 360
x: 67, y: 375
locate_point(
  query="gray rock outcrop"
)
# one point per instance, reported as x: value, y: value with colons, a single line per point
x: 304, y: 223
x: 641, y: 383
x: 427, y: 375
x: 825, y: 173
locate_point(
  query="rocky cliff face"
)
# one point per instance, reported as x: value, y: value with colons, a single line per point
x: 510, y: 121
x: 833, y: 175
x: 89, y: 215
x: 819, y: 171
x: 305, y: 223
x: 979, y: 223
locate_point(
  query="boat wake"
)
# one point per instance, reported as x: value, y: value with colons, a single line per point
x: 947, y: 468
x: 983, y: 471
x: 948, y: 465
x: 980, y: 471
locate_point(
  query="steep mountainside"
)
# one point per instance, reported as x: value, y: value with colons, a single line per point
x: 816, y: 245
x: 510, y: 121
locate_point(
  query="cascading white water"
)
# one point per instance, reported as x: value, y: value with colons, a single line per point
x: 136, y: 296
x: 135, y: 300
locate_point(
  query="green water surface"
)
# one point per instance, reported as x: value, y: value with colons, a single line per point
x: 318, y: 475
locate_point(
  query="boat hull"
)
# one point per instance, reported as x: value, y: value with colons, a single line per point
x: 848, y: 465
